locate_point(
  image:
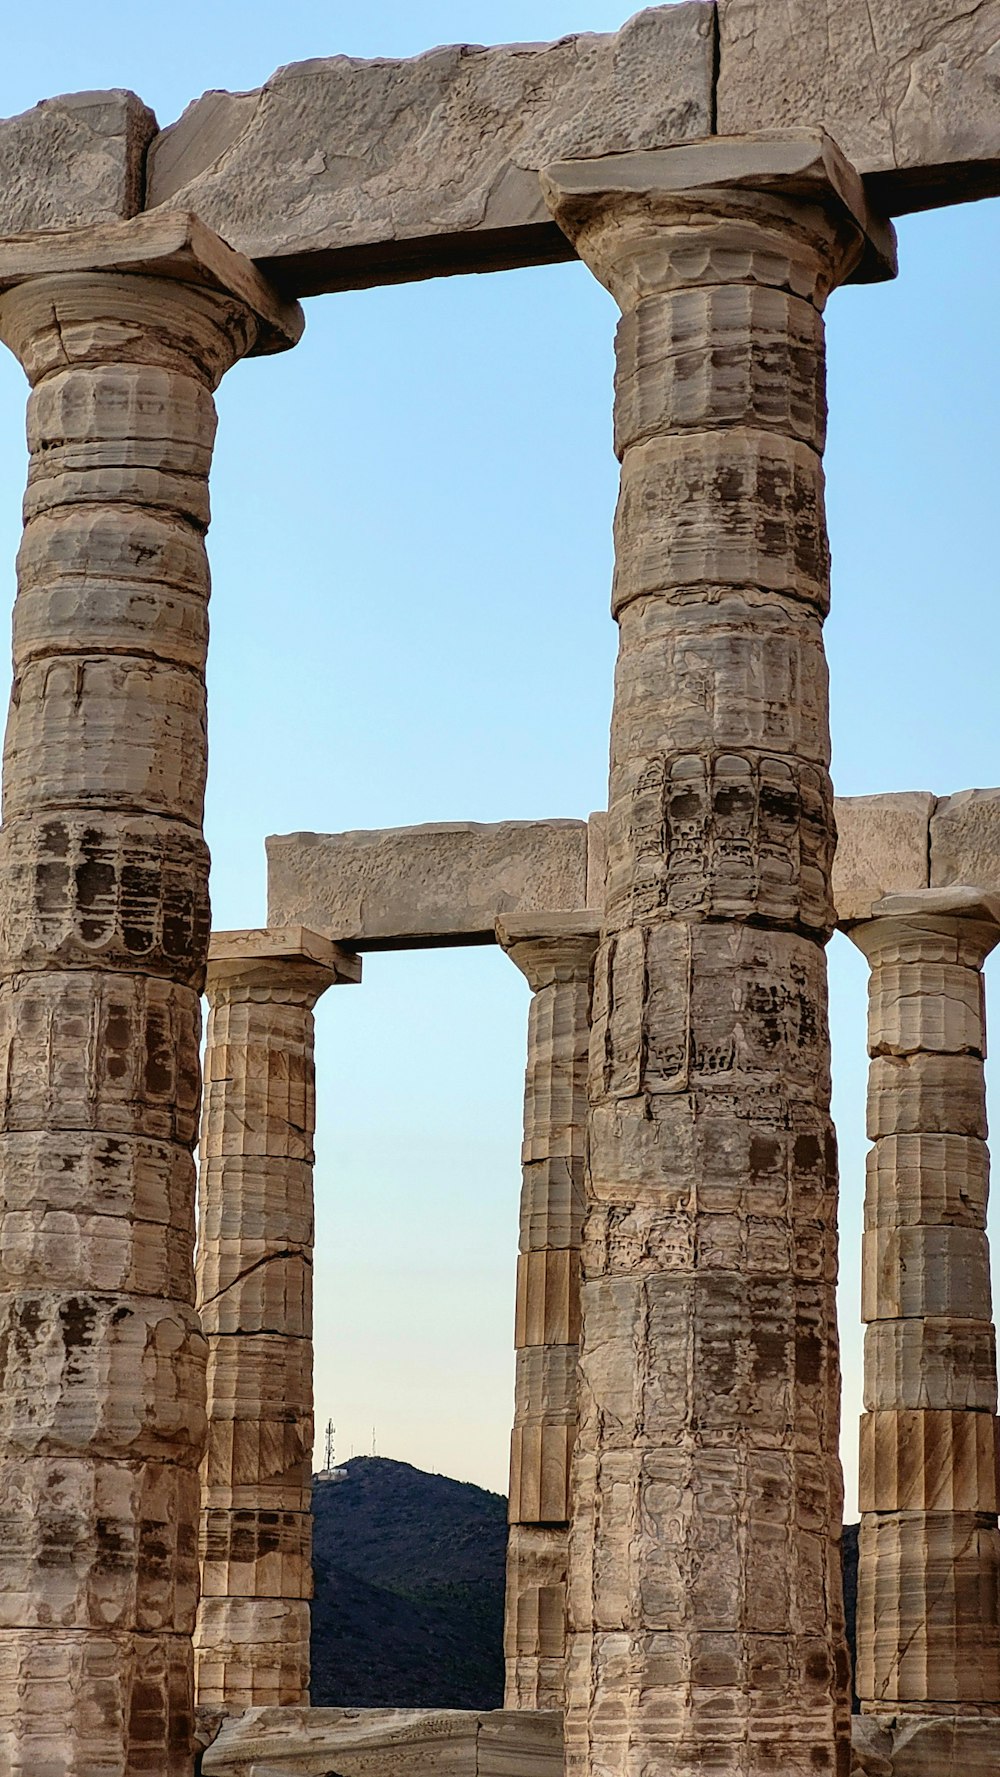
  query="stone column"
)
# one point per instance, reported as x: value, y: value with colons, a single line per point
x: 255, y: 1300
x: 555, y: 953
x: 705, y: 1610
x: 929, y: 1576
x: 124, y: 331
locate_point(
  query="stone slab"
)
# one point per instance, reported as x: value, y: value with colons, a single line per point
x: 340, y: 173
x: 387, y: 1743
x: 449, y: 882
x: 965, y: 840
x: 909, y: 89
x: 426, y: 886
x: 74, y: 160
x: 882, y: 848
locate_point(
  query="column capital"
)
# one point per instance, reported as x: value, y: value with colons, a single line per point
x: 547, y: 947
x: 764, y: 186
x: 171, y: 244
x: 927, y: 924
x: 289, y: 957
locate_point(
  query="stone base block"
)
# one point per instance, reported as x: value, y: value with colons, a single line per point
x: 925, y: 1745
x: 387, y: 1743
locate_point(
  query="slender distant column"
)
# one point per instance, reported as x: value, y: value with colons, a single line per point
x: 104, y: 929
x: 255, y: 1300
x: 705, y: 1611
x: 555, y: 952
x: 929, y: 1573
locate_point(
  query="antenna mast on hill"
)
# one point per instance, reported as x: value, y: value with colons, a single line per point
x: 330, y: 1428
x: 374, y: 1451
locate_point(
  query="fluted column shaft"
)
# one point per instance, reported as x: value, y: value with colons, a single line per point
x: 555, y: 953
x: 929, y: 1574
x: 255, y: 1254
x: 705, y: 1610
x: 104, y: 928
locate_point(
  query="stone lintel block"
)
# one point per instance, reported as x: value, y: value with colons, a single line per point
x: 277, y: 956
x: 965, y: 839
x: 406, y: 888
x: 904, y: 1744
x: 882, y: 846
x: 944, y: 1365
x: 802, y: 163
x: 74, y: 160
x: 436, y: 169
x: 928, y: 1462
x: 910, y: 1272
x: 547, y: 1307
x: 389, y: 1743
x: 908, y: 91
x: 170, y: 244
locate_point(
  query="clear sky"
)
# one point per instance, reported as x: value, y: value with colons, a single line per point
x: 411, y: 554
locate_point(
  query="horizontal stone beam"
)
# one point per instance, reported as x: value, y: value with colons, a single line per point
x: 387, y: 1743
x: 908, y: 89
x: 417, y: 888
x: 342, y: 173
x: 409, y: 888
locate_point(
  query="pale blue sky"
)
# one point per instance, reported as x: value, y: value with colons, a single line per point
x: 411, y: 552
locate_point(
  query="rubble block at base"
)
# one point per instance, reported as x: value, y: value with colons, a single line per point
x: 908, y: 1745
x: 387, y: 1743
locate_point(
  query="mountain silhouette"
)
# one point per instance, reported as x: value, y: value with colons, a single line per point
x: 409, y: 1577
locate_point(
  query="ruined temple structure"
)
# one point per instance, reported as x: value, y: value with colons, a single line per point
x: 674, y: 1601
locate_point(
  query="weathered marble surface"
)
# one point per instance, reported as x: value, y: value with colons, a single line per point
x: 387, y: 1743
x: 449, y: 883
x: 929, y: 1575
x: 348, y: 173
x: 555, y: 953
x: 74, y: 160
x: 408, y: 887
x: 255, y: 1303
x: 103, y: 942
x: 924, y: 1746
x: 910, y: 89
x: 705, y: 1621
x: 340, y: 173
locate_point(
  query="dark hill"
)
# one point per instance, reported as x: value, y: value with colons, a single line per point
x: 409, y: 1589
x: 409, y: 1572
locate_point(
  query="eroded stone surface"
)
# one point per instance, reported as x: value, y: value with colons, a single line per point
x: 103, y: 942
x: 928, y: 1632
x: 908, y: 88
x: 965, y: 839
x: 347, y: 173
x: 407, y: 887
x: 74, y: 160
x: 255, y: 1303
x: 883, y: 844
x: 709, y: 1380
x: 388, y: 1743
